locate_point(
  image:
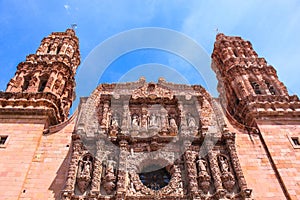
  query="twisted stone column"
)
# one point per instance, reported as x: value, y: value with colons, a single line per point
x: 122, y: 171
x: 72, y: 171
x: 97, y: 173
x: 190, y: 165
x: 215, y: 170
x: 236, y: 164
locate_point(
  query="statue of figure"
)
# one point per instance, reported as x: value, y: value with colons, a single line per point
x: 173, y: 123
x: 173, y: 127
x: 109, y: 178
x: 191, y: 120
x: 144, y: 121
x: 115, y: 121
x: 84, y: 174
x: 135, y: 121
x: 105, y: 115
x: 223, y: 164
x: 152, y: 120
x: 202, y: 165
x: 204, y: 178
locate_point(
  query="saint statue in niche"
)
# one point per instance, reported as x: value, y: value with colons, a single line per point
x: 152, y: 120
x: 135, y: 121
x: 144, y: 121
x: 223, y: 164
x: 115, y: 121
x: 173, y: 123
x: 173, y: 127
x: 84, y: 173
x: 202, y: 165
x: 191, y: 120
x: 109, y: 178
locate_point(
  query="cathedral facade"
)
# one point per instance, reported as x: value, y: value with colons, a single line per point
x: 146, y: 140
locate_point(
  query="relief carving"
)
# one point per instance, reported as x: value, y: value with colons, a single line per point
x: 152, y: 91
x: 84, y: 173
x: 135, y: 122
x: 204, y: 178
x: 148, y: 123
x: 110, y: 177
x: 173, y: 128
x: 226, y: 175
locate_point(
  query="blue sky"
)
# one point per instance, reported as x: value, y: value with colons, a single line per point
x: 272, y: 26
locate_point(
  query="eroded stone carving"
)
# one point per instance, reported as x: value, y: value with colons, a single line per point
x: 226, y: 175
x: 84, y: 173
x: 159, y: 131
x: 204, y: 178
x: 109, y: 177
x: 152, y: 91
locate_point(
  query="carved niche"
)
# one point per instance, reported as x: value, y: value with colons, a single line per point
x: 227, y: 177
x: 109, y: 177
x: 147, y: 111
x: 84, y: 173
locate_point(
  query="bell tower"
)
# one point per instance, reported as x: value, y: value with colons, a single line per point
x: 249, y: 88
x: 44, y: 83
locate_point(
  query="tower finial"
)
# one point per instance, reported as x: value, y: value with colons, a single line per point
x: 74, y: 26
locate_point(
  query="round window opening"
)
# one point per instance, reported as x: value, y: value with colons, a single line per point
x: 155, y: 177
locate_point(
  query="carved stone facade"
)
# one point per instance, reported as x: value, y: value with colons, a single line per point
x: 142, y: 140
x: 155, y: 141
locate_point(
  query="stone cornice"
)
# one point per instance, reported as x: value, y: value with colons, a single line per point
x: 33, y: 103
x: 251, y: 108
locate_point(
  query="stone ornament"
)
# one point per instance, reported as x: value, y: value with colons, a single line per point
x: 109, y: 177
x: 152, y: 91
x: 203, y: 176
x: 167, y: 131
x: 226, y: 175
x: 84, y: 173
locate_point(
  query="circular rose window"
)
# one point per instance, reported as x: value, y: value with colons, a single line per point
x: 155, y: 179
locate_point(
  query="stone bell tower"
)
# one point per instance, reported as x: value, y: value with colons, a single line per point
x: 35, y: 129
x: 44, y: 84
x: 249, y: 88
x: 259, y: 104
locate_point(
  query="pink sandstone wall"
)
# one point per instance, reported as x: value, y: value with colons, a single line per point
x: 285, y: 156
x: 256, y: 167
x: 24, y: 135
x: 33, y: 165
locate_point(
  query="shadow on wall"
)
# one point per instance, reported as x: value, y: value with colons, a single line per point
x: 59, y: 181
